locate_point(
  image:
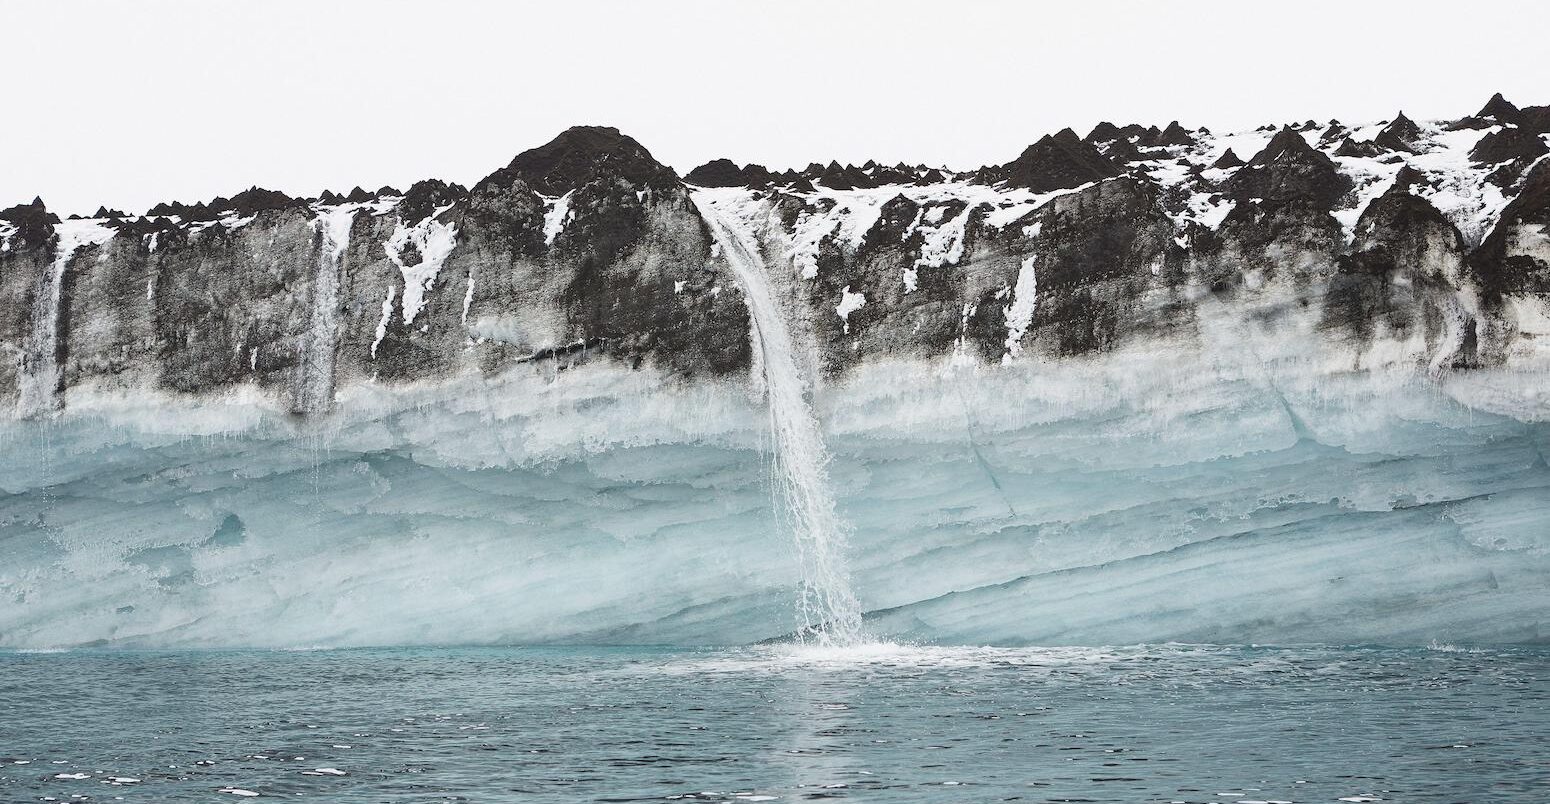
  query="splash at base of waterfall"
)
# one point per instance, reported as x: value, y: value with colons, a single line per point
x: 830, y: 612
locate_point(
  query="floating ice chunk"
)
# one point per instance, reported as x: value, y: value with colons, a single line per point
x: 237, y: 791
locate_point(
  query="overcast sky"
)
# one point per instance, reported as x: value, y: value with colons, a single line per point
x: 129, y: 103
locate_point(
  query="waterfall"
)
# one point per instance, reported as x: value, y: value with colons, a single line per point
x: 41, y: 375
x: 829, y: 609
x: 315, y: 382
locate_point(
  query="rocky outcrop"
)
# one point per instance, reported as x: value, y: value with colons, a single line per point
x: 1056, y: 162
x: 1514, y: 260
x: 1402, y: 280
x: 587, y: 248
x: 1288, y: 168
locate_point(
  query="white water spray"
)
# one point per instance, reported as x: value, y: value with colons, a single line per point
x: 829, y: 609
x: 315, y: 383
x: 40, y: 380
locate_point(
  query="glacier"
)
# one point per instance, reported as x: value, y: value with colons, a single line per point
x: 1119, y: 390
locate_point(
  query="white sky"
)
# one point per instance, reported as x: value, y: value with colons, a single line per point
x: 126, y: 104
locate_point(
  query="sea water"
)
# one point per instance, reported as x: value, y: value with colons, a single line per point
x: 878, y: 723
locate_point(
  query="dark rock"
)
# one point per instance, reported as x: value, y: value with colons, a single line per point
x: 1228, y: 159
x: 34, y: 224
x: 1350, y: 147
x: 255, y: 200
x: 1097, y: 250
x: 1406, y: 178
x: 358, y: 195
x: 1286, y: 144
x: 1057, y: 162
x: 757, y: 176
x: 1288, y: 167
x: 1536, y: 119
x: 424, y: 197
x: 1500, y: 109
x: 1502, y: 266
x: 1510, y: 144
x: 583, y: 153
x: 1121, y: 151
x: 716, y: 173
x: 1400, y: 135
x: 1103, y: 132
x: 1175, y: 134
x: 198, y: 213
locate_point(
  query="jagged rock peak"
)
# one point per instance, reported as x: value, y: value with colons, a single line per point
x: 1289, y: 168
x: 253, y: 200
x: 1175, y: 134
x: 1108, y: 132
x: 1057, y: 162
x: 1401, y: 134
x: 1509, y: 144
x: 1406, y: 178
x: 1228, y: 159
x: 1350, y: 147
x: 426, y: 196
x: 1522, y: 272
x: 1286, y: 142
x: 34, y: 223
x: 1500, y: 108
x: 579, y: 155
x: 716, y: 173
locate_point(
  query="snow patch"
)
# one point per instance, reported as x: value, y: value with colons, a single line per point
x: 1019, y: 316
x: 849, y: 303
x: 556, y: 216
x: 434, y: 241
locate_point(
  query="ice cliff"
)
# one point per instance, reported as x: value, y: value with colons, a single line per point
x: 1282, y: 385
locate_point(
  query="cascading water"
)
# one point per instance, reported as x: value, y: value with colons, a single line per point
x: 830, y: 611
x: 315, y: 383
x: 38, y: 391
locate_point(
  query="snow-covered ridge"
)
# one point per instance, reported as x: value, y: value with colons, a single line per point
x: 1145, y: 233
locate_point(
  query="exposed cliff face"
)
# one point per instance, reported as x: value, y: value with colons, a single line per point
x: 587, y: 247
x: 300, y: 298
x: 1151, y: 384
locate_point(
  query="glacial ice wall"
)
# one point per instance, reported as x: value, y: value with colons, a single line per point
x: 1137, y: 499
x: 1128, y: 387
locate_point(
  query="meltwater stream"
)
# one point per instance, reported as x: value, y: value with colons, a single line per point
x: 830, y: 611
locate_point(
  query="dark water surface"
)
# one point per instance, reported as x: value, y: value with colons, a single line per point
x: 885, y: 723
